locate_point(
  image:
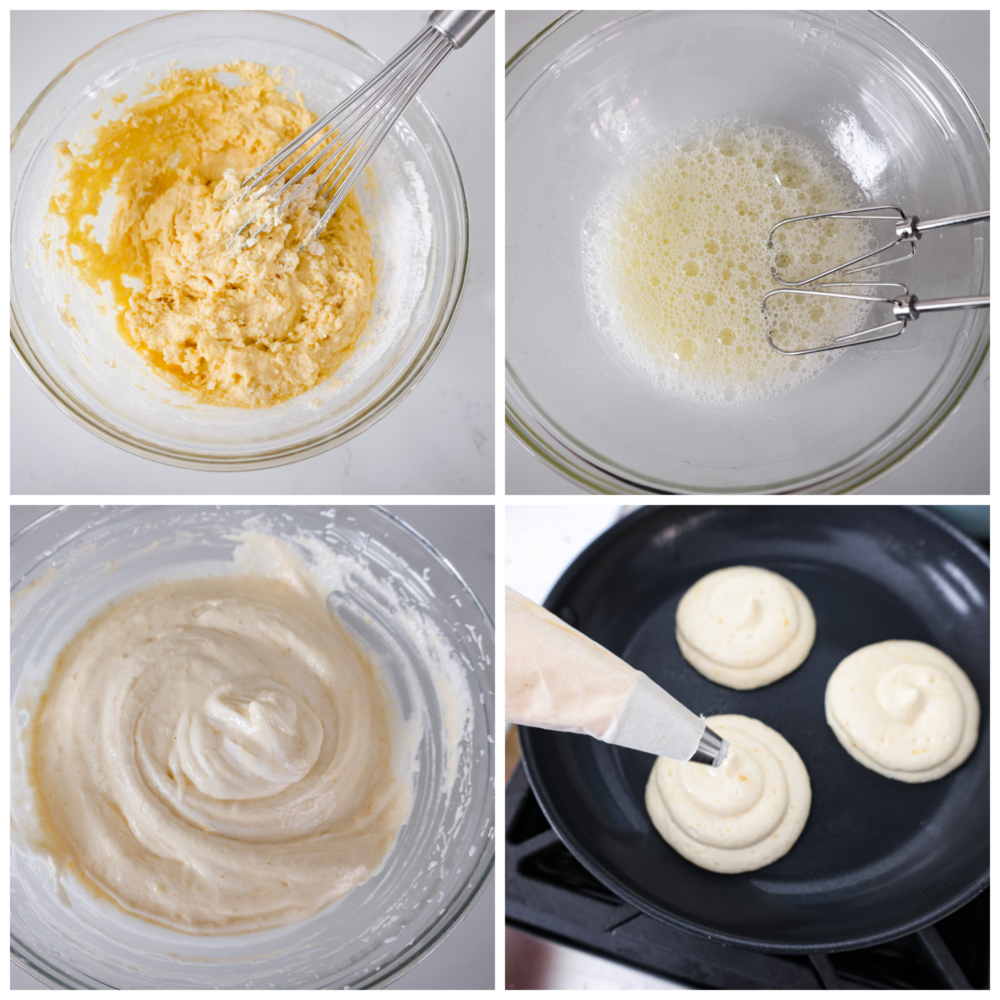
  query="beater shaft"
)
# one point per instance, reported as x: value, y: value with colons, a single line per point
x: 905, y: 307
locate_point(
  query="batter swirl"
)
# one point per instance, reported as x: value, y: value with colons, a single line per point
x: 737, y: 817
x: 744, y: 627
x: 903, y: 709
x: 215, y: 756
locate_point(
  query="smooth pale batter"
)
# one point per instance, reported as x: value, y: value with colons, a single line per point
x: 676, y: 260
x: 236, y: 326
x: 744, y: 627
x: 903, y: 709
x: 215, y: 755
x: 737, y: 817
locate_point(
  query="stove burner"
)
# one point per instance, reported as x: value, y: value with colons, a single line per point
x: 550, y: 894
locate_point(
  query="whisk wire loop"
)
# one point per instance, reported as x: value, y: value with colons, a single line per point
x: 905, y: 307
x: 879, y: 212
x: 337, y: 147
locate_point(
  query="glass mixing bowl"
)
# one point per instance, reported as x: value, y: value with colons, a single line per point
x: 415, y: 207
x: 594, y: 86
x: 73, y: 561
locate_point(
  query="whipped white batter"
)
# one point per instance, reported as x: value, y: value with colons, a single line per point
x: 744, y: 627
x: 215, y: 756
x: 737, y: 817
x: 676, y: 261
x: 903, y: 709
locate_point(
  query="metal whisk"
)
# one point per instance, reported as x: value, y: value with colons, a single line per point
x: 340, y: 144
x: 904, y: 306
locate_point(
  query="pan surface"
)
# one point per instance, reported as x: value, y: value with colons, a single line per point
x: 878, y: 858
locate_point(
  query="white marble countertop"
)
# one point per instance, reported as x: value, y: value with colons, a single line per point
x: 439, y: 440
x: 465, y: 958
x: 955, y: 461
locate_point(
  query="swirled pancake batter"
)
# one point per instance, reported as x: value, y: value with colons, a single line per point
x: 740, y: 816
x: 245, y: 327
x: 215, y: 755
x: 903, y: 709
x: 744, y: 626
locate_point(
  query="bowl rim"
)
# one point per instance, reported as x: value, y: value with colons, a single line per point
x: 482, y: 871
x: 571, y: 459
x: 386, y: 398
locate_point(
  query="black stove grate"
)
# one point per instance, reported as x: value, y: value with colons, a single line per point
x: 549, y: 893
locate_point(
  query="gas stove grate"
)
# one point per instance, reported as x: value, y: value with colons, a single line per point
x: 549, y: 893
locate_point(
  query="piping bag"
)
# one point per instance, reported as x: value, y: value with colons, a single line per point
x: 557, y: 678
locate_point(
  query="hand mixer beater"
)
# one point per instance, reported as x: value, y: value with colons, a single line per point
x: 339, y: 145
x: 904, y: 307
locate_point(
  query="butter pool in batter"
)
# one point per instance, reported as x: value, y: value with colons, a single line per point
x: 215, y: 755
x: 737, y: 817
x: 243, y: 327
x: 676, y: 261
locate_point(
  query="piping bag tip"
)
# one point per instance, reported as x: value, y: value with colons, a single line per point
x: 712, y: 749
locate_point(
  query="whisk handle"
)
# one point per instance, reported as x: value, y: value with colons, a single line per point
x: 924, y: 225
x: 459, y: 25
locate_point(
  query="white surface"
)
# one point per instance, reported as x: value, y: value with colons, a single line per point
x: 542, y: 541
x: 439, y: 440
x: 956, y: 460
x: 465, y: 536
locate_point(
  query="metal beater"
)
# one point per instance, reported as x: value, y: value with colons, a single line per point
x: 908, y: 229
x: 341, y: 143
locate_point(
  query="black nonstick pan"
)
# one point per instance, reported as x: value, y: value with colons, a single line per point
x: 878, y: 858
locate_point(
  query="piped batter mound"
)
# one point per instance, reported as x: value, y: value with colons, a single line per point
x: 737, y: 817
x: 903, y: 709
x: 676, y: 261
x: 216, y: 756
x: 232, y: 324
x: 744, y: 627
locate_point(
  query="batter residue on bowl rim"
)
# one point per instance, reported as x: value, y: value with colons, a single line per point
x: 215, y: 755
x: 245, y: 327
x: 675, y: 260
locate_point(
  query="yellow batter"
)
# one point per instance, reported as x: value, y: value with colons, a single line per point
x: 237, y: 327
x: 215, y: 756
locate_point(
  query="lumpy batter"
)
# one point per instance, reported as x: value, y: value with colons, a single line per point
x: 676, y: 261
x: 903, y: 709
x: 744, y: 626
x: 215, y: 755
x: 737, y: 817
x: 248, y: 326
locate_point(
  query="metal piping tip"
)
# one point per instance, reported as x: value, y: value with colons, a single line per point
x: 712, y: 749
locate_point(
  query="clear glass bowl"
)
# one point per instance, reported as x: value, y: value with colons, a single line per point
x: 415, y: 207
x: 62, y: 575
x: 593, y: 85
